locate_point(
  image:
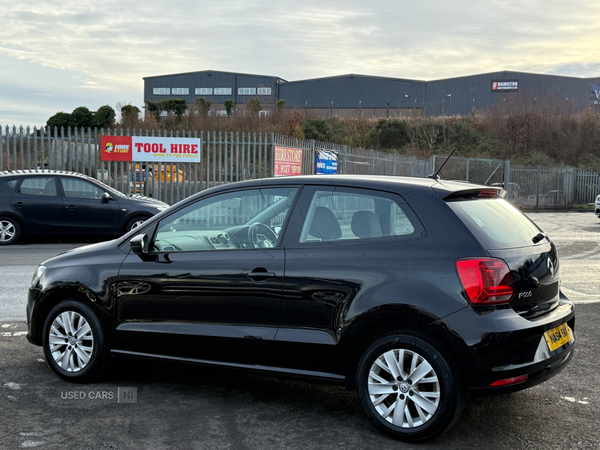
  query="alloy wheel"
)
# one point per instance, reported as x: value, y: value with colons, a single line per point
x: 404, y: 388
x: 7, y: 231
x: 71, y: 341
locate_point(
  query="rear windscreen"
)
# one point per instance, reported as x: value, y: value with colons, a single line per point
x: 496, y: 223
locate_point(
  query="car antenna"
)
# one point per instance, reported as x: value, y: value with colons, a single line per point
x: 436, y: 176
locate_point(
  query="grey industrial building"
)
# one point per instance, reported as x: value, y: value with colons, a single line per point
x: 373, y: 96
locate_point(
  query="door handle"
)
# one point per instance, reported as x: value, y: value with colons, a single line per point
x: 19, y: 204
x: 71, y: 207
x: 260, y: 274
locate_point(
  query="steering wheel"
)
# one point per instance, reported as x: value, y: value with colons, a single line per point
x: 261, y: 235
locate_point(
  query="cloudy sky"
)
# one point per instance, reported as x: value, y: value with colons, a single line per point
x: 56, y: 56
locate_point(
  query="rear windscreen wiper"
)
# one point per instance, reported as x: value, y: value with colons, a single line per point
x: 538, y: 237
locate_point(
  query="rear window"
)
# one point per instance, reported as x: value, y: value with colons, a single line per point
x: 496, y: 223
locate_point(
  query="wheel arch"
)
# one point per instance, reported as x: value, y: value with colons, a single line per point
x: 132, y: 216
x: 54, y: 297
x: 398, y: 320
x: 17, y: 219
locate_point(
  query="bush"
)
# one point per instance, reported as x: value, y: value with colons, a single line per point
x: 390, y: 134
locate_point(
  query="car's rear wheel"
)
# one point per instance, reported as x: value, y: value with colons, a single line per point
x: 134, y: 223
x: 408, y: 389
x: 9, y: 231
x: 74, y: 343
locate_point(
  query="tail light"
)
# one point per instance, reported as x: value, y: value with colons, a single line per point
x: 486, y: 281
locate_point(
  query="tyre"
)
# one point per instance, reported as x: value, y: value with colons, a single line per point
x: 408, y: 389
x: 74, y: 342
x: 9, y: 231
x: 134, y: 223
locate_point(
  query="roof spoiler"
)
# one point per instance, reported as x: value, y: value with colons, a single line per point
x: 476, y: 194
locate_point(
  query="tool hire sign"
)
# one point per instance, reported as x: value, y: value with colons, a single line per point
x: 156, y: 149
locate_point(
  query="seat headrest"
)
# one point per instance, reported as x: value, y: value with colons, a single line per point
x: 324, y: 225
x: 365, y: 225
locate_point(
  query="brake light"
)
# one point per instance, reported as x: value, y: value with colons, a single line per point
x: 486, y: 281
x: 508, y: 381
x: 488, y: 193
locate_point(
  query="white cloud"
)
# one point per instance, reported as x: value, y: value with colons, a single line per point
x: 109, y: 47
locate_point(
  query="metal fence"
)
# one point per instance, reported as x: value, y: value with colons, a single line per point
x: 228, y: 157
x: 587, y: 186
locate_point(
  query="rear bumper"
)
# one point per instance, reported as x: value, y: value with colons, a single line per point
x: 498, y: 345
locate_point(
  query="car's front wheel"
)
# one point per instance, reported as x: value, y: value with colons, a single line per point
x: 74, y: 341
x: 134, y: 223
x: 9, y: 231
x: 408, y: 389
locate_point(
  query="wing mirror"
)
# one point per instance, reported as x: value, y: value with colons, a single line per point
x: 106, y: 197
x: 139, y: 244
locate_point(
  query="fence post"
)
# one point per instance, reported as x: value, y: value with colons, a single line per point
x: 537, y: 191
x: 507, y: 180
x: 569, y: 185
x: 312, y: 156
x: 272, y: 165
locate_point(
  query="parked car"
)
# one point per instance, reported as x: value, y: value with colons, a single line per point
x: 411, y: 291
x: 162, y: 173
x: 46, y: 202
x: 597, y: 208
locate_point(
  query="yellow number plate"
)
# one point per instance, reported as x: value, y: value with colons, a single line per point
x: 559, y: 336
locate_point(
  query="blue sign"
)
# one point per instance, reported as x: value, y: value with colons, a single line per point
x: 326, y: 162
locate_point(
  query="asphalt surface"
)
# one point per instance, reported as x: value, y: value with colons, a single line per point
x: 180, y: 406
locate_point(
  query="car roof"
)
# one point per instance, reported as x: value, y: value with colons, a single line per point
x: 386, y: 182
x: 32, y: 172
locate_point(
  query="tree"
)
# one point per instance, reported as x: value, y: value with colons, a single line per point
x: 154, y: 109
x: 130, y: 111
x: 81, y: 117
x: 254, y: 106
x: 104, y: 117
x: 280, y: 104
x: 60, y: 119
x: 202, y: 105
x: 228, y: 104
x: 176, y: 105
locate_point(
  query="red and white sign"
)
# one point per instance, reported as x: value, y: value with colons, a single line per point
x: 508, y: 85
x: 153, y: 149
x: 116, y: 148
x: 288, y: 161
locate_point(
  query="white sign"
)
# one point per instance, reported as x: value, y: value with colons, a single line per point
x: 159, y: 149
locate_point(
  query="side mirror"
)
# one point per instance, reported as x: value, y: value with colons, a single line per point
x: 139, y: 244
x: 106, y: 197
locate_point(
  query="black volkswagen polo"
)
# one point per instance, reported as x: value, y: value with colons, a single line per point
x: 411, y: 291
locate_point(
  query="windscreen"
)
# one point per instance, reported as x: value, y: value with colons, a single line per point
x: 496, y: 223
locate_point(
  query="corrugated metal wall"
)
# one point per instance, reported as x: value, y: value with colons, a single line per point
x: 451, y: 96
x: 211, y: 79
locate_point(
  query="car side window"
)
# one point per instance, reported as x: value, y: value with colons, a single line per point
x: 234, y: 220
x: 12, y: 183
x: 348, y: 214
x: 76, y: 188
x: 42, y: 186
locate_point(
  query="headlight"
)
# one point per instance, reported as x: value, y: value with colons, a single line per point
x: 37, y: 275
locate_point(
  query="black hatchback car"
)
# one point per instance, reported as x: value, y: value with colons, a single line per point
x: 412, y: 291
x: 47, y: 202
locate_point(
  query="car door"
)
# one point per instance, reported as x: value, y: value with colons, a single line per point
x: 344, y: 248
x: 85, y: 211
x: 210, y: 286
x: 37, y: 201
